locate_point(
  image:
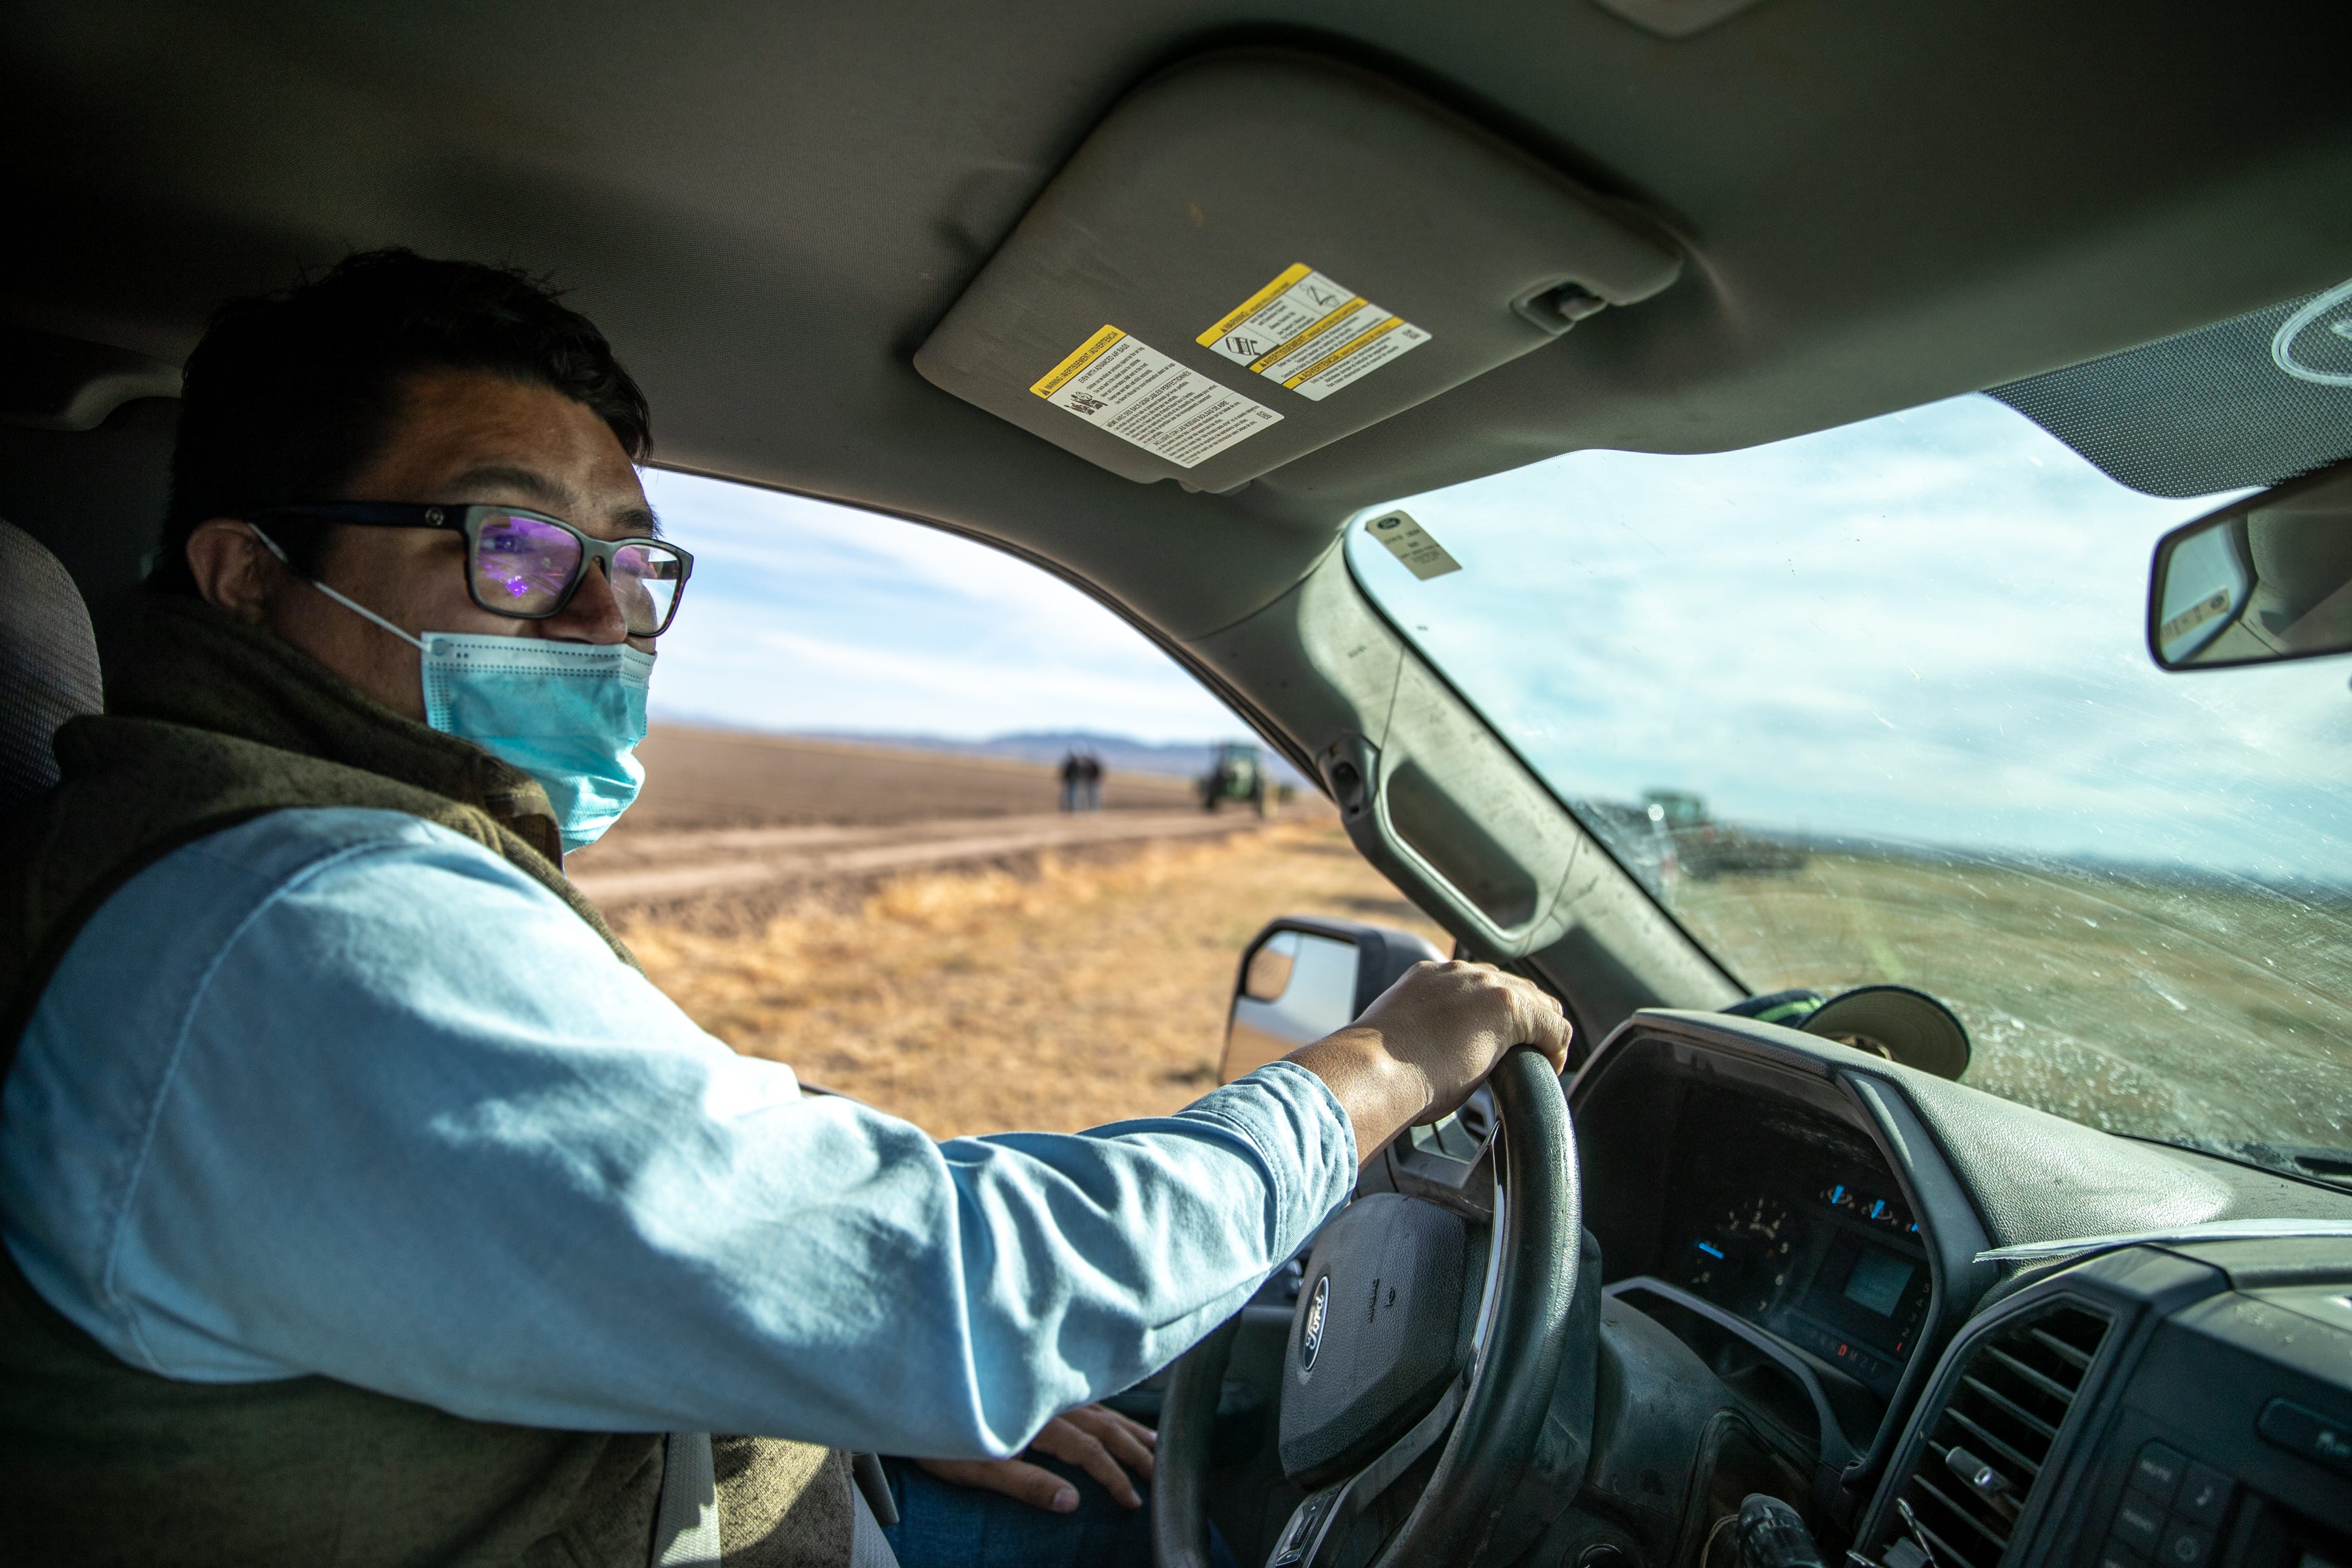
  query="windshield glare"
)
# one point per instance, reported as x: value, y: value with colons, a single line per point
x: 1874, y: 705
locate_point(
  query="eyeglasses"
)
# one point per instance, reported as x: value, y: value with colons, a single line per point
x: 528, y: 565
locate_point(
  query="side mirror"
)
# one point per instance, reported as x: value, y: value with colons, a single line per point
x: 2262, y: 580
x: 1303, y: 977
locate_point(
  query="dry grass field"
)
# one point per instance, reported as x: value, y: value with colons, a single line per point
x: 1062, y: 995
x: 2163, y: 1008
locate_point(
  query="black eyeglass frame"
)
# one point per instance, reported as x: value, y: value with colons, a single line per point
x: 467, y: 521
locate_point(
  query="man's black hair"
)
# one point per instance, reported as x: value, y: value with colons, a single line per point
x: 288, y: 396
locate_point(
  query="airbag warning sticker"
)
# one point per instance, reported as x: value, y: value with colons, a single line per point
x: 1310, y: 334
x: 1140, y: 395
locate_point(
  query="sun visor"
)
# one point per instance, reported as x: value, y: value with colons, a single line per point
x: 1256, y: 254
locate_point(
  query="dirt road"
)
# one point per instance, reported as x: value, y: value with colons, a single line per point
x: 654, y: 865
x: 734, y: 826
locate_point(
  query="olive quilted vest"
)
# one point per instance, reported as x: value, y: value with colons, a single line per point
x: 212, y: 723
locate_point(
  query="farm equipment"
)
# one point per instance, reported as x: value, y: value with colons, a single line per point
x: 1237, y: 773
x: 1691, y: 842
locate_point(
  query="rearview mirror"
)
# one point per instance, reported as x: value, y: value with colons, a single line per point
x: 1303, y: 977
x: 2262, y: 580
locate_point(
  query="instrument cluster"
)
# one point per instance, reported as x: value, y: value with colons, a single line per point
x: 1796, y: 1226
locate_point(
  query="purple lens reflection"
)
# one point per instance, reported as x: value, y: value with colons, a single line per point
x: 523, y: 563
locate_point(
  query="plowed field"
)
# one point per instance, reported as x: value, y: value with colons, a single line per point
x: 699, y: 778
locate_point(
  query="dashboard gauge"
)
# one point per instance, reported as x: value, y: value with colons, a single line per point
x: 1740, y: 1260
x: 1880, y: 1213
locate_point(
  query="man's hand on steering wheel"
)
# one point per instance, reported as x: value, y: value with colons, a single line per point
x: 1428, y: 1041
x: 1100, y: 1441
x: 1370, y: 1395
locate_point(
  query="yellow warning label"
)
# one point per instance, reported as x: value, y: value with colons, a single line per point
x: 1346, y: 346
x: 1084, y: 354
x: 1309, y: 334
x: 1337, y: 327
x: 1366, y: 352
x: 1252, y: 305
x: 1142, y: 396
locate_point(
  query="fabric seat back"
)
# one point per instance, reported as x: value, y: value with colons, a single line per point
x: 48, y: 665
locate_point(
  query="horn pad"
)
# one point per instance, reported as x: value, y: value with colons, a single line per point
x: 1381, y: 1326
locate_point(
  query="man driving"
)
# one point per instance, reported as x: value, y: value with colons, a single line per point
x: 365, y: 1202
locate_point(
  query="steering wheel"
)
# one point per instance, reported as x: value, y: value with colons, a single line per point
x: 1401, y: 1345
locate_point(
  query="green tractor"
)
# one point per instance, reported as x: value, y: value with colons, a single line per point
x: 1237, y: 773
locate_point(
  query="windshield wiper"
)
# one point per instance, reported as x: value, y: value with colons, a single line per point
x: 2309, y: 1162
x: 2320, y: 1164
x: 2206, y: 1231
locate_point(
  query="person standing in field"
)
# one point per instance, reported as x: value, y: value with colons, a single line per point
x: 1073, y: 773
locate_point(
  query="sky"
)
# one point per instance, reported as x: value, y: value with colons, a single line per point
x: 1924, y: 627
x: 805, y: 616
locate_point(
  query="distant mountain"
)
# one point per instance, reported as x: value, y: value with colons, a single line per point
x: 1178, y: 759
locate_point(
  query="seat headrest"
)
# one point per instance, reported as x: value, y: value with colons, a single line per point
x: 48, y: 664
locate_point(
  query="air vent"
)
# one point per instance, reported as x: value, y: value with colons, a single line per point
x: 1986, y: 1451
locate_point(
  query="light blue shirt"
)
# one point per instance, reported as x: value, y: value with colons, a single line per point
x: 340, y: 1091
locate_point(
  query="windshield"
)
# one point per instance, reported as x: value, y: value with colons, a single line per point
x: 1874, y: 705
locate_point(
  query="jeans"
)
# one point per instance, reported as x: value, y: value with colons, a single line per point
x: 946, y: 1526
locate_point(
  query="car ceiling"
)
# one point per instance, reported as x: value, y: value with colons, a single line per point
x: 769, y: 206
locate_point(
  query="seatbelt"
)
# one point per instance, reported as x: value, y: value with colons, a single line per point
x: 685, y: 1523
x: 869, y: 1547
x: 874, y: 1483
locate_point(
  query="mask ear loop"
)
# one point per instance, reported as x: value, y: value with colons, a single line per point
x: 351, y: 605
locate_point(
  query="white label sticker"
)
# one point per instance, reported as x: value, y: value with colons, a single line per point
x: 1140, y: 395
x: 1310, y: 334
x: 1422, y: 556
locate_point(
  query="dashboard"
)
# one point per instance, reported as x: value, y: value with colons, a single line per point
x: 1948, y: 1329
x: 1800, y: 1260
x: 2189, y: 1406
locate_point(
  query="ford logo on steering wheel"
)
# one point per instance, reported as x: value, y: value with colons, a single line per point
x: 1312, y: 1340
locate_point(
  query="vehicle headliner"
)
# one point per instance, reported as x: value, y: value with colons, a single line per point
x: 767, y: 207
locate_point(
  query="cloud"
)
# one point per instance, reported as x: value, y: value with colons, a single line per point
x: 802, y: 615
x: 1925, y: 627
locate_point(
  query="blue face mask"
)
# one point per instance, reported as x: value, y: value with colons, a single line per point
x: 569, y: 714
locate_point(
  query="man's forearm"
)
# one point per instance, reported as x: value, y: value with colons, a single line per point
x: 1427, y: 1041
x: 1380, y: 1094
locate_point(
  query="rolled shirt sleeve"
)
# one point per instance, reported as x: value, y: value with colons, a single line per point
x: 383, y: 1109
